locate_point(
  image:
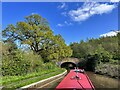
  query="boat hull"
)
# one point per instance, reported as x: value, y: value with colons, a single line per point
x: 73, y: 81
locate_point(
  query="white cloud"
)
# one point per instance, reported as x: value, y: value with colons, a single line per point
x: 64, y: 13
x: 67, y: 23
x: 89, y: 9
x: 63, y: 5
x: 64, y: 24
x: 60, y: 25
x: 112, y: 33
x: 114, y: 0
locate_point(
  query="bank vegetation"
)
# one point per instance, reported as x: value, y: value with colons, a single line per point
x: 101, y: 55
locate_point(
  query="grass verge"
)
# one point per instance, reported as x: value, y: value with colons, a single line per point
x: 19, y: 81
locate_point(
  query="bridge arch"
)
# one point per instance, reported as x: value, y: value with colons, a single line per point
x: 69, y: 63
x: 66, y: 65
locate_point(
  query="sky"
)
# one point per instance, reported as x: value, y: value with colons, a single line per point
x: 75, y: 21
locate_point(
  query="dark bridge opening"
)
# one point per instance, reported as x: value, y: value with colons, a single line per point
x: 68, y: 65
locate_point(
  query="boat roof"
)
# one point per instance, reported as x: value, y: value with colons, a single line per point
x: 71, y: 82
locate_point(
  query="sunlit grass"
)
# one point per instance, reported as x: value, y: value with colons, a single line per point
x: 19, y: 81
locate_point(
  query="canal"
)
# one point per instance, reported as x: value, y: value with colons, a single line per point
x: 99, y: 81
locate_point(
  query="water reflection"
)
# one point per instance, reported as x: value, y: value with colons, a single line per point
x: 100, y: 81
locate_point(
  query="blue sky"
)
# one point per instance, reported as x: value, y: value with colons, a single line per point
x: 74, y: 21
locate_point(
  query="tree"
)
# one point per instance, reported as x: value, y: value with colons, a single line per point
x: 32, y: 32
x: 103, y: 55
x: 118, y: 53
x: 35, y: 32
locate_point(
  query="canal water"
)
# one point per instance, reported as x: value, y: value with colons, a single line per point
x: 99, y: 81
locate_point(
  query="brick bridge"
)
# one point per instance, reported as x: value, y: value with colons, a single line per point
x: 69, y: 63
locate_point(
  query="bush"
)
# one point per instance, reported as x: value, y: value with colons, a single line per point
x: 49, y: 65
x: 108, y: 69
x: 20, y: 63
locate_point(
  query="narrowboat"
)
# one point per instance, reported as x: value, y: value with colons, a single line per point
x: 76, y: 79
